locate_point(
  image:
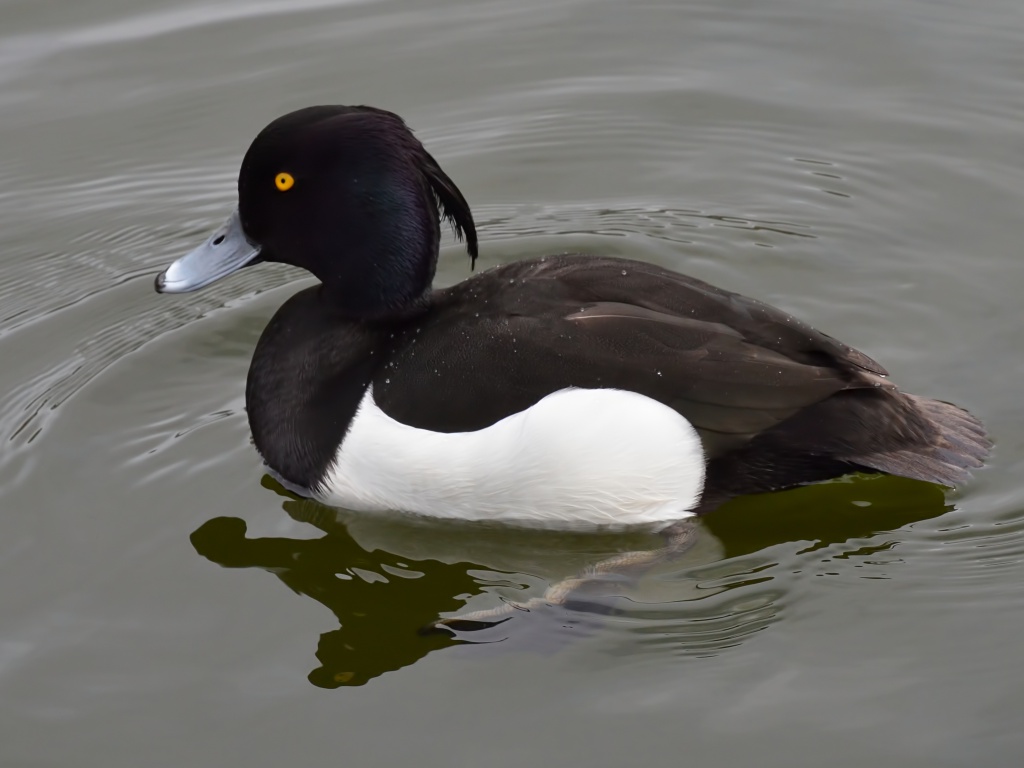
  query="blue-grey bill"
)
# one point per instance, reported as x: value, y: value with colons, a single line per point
x: 225, y: 251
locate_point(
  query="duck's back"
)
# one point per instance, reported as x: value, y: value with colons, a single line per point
x: 775, y: 402
x: 497, y: 343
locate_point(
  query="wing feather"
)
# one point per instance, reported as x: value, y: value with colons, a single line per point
x: 501, y: 341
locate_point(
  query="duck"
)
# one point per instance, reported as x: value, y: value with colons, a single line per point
x: 566, y: 389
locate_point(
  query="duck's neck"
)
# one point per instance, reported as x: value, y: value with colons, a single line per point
x: 389, y: 304
x: 387, y: 264
x: 309, y: 371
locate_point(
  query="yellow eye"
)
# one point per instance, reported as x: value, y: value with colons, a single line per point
x: 284, y: 181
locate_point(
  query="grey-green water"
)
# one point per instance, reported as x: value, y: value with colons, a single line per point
x: 859, y: 164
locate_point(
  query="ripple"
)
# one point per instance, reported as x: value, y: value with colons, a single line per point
x: 653, y: 221
x: 24, y: 50
x: 718, y: 625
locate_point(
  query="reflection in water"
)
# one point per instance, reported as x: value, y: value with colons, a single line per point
x: 386, y: 579
x: 379, y: 600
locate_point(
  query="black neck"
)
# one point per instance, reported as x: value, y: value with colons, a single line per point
x: 387, y: 266
x: 308, y: 374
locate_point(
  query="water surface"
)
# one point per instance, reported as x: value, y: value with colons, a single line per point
x: 163, y: 604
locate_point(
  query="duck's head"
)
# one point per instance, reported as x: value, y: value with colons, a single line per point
x: 347, y: 193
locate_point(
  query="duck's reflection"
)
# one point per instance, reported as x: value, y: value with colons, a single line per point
x: 386, y: 579
x: 380, y: 601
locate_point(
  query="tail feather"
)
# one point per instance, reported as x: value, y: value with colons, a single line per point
x: 959, y: 445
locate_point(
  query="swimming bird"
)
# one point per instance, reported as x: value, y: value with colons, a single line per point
x: 565, y: 389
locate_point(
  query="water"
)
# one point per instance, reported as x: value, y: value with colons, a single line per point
x: 163, y: 604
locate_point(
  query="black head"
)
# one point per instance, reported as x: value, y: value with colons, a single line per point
x: 351, y: 195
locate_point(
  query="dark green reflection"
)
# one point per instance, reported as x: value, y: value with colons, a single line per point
x: 383, y: 601
x: 829, y: 513
x: 381, y: 614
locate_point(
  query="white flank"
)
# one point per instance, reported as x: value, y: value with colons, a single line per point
x: 590, y: 456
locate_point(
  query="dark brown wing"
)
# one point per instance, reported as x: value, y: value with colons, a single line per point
x: 649, y: 286
x: 498, y: 343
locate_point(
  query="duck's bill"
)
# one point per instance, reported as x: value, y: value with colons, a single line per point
x: 225, y: 251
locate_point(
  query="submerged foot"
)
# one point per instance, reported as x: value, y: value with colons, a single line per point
x: 570, y: 592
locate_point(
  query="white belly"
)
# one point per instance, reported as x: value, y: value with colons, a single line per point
x: 579, y: 456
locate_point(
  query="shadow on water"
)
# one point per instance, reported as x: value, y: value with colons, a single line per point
x: 387, y: 579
